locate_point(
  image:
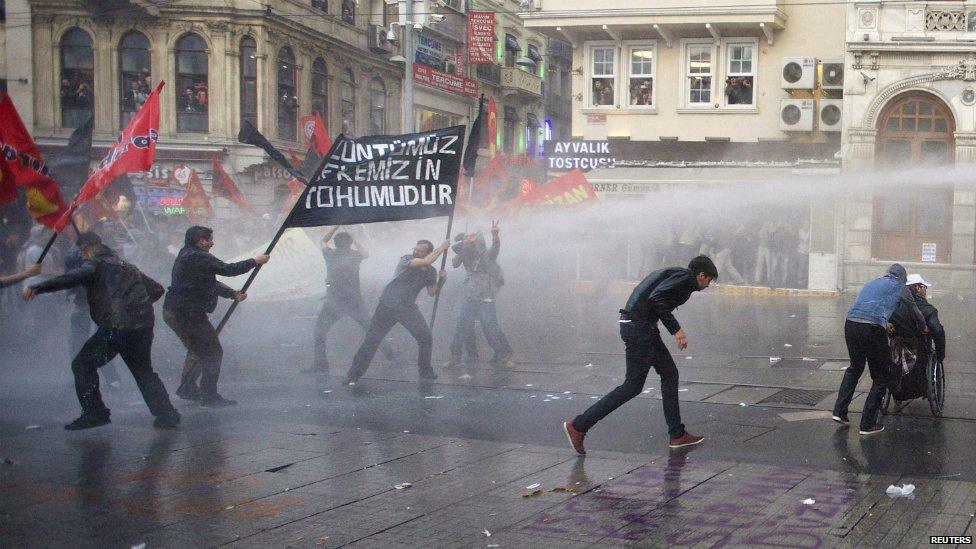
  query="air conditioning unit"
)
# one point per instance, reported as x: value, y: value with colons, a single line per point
x: 830, y: 117
x: 796, y: 115
x: 799, y: 73
x: 377, y: 40
x: 832, y: 75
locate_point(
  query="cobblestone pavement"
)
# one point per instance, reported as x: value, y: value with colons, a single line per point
x: 305, y: 462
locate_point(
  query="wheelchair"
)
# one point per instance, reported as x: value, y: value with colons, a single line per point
x: 925, y: 379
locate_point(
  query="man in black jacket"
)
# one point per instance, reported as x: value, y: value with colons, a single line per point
x: 660, y: 293
x: 192, y: 295
x: 120, y: 300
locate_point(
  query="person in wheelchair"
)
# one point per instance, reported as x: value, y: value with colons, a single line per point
x: 919, y: 288
x: 909, y: 346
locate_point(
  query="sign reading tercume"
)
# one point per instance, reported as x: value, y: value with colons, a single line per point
x: 581, y: 155
x: 383, y: 178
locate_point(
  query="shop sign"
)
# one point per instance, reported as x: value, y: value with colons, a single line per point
x: 583, y: 155
x: 443, y: 81
x: 430, y: 52
x: 166, y: 201
x: 481, y: 37
x: 596, y: 119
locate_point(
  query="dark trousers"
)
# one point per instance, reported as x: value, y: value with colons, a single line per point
x: 333, y: 310
x: 865, y: 343
x: 80, y: 323
x: 384, y: 319
x: 203, y: 351
x: 135, y: 347
x: 477, y: 310
x: 644, y: 349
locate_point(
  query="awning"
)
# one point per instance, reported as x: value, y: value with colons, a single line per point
x: 531, y: 120
x: 511, y: 115
x: 511, y: 43
x: 533, y: 53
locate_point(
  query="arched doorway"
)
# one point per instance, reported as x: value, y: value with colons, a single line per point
x: 915, y: 129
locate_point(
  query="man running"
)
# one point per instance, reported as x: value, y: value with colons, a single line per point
x: 653, y: 300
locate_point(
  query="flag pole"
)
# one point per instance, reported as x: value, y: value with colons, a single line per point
x: 437, y: 296
x: 253, y: 275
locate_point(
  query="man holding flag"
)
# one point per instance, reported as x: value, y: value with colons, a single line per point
x: 192, y: 295
x: 398, y: 305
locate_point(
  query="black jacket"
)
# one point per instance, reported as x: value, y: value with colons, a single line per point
x: 907, y: 318
x: 658, y: 294
x: 194, y: 285
x: 936, y: 330
x: 119, y: 295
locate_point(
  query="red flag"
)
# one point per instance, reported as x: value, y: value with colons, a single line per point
x: 133, y: 152
x: 315, y: 133
x: 224, y: 187
x: 21, y: 165
x: 566, y: 190
x: 196, y: 204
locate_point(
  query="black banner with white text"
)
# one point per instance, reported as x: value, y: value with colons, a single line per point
x: 383, y: 178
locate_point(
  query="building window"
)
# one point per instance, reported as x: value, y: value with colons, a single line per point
x: 699, y: 74
x: 531, y: 134
x: 287, y: 96
x: 603, y: 75
x: 192, y: 92
x: 77, y: 78
x: 349, y: 11
x: 320, y: 89
x: 508, y: 130
x: 377, y: 106
x: 512, y: 50
x: 321, y: 5
x: 740, y: 74
x: 134, y: 82
x: 641, y: 82
x: 249, y: 81
x: 347, y: 94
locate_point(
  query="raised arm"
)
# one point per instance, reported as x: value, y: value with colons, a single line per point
x: 496, y: 243
x: 431, y: 257
x: 360, y: 248
x: 328, y: 235
x: 70, y: 279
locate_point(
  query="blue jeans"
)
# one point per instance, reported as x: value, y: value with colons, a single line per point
x: 484, y: 312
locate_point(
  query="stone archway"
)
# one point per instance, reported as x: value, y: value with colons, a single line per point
x: 914, y: 129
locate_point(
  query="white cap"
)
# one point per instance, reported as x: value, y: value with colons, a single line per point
x: 916, y: 279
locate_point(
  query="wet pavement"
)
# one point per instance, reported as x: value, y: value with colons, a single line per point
x: 306, y: 462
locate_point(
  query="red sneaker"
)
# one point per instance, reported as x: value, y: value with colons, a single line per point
x: 575, y: 437
x: 686, y: 439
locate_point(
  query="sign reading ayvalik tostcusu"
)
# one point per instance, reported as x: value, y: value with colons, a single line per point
x: 383, y: 178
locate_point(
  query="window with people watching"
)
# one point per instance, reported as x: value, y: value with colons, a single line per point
x: 249, y: 80
x: 603, y: 75
x: 192, y: 92
x: 641, y: 78
x: 134, y: 80
x: 77, y: 78
x: 740, y: 75
x: 349, y: 11
x: 287, y: 97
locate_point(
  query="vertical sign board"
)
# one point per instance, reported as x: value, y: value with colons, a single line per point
x: 481, y: 38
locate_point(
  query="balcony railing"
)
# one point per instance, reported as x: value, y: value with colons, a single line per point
x: 521, y: 81
x: 490, y: 74
x: 944, y: 18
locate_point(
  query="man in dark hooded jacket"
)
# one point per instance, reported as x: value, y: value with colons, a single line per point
x: 120, y: 301
x: 653, y: 300
x: 865, y: 332
x: 192, y: 295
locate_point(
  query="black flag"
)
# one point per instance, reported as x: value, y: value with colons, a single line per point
x: 250, y: 135
x: 383, y: 178
x: 474, y: 139
x: 70, y: 166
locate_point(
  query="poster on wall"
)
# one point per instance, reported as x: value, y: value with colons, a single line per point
x: 928, y: 252
x: 481, y: 37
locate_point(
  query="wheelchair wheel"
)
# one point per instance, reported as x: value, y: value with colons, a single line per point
x: 936, y: 387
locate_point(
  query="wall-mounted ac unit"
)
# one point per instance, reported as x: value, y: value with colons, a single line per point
x: 377, y: 40
x: 832, y: 75
x: 796, y: 115
x: 799, y: 73
x: 830, y: 117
